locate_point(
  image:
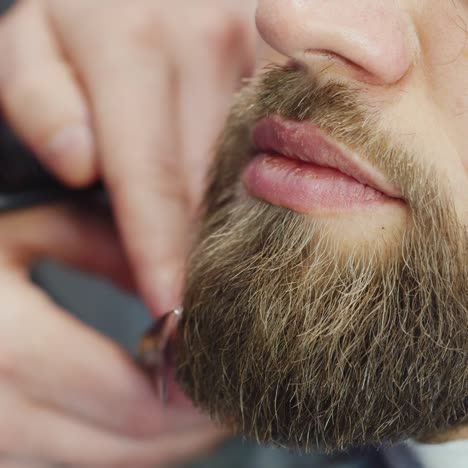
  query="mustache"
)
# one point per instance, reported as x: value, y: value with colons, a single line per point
x: 343, y: 112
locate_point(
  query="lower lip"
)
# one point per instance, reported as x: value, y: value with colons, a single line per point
x: 307, y: 188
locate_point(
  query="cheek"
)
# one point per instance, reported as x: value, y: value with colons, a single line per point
x: 445, y: 75
x: 450, y: 99
x: 460, y: 105
x: 454, y: 119
x: 445, y: 80
x: 453, y: 122
x: 459, y: 122
x: 436, y: 134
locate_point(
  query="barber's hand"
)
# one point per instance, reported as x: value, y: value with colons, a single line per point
x: 135, y: 92
x: 67, y: 394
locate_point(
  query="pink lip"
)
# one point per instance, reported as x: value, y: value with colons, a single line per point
x: 299, y: 167
x: 305, y: 142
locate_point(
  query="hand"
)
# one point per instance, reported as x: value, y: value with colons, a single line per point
x: 67, y: 394
x: 135, y: 92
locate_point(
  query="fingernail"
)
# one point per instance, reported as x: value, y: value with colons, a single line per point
x: 71, y: 153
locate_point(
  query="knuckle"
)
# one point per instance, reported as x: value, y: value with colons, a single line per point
x: 162, y: 181
x: 137, y: 22
x: 22, y: 88
x: 24, y: 93
x: 221, y: 28
x: 21, y: 91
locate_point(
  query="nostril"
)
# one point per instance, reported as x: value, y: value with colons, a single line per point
x: 369, y: 40
x: 328, y: 57
x: 295, y: 65
x: 333, y: 56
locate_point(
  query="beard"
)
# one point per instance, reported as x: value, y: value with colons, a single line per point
x: 293, y: 339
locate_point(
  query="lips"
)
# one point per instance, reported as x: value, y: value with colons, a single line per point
x: 297, y: 166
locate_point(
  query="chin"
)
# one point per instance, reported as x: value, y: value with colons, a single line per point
x: 293, y: 340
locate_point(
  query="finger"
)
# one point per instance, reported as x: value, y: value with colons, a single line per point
x: 38, y: 436
x: 21, y: 462
x: 59, y: 362
x: 140, y: 166
x: 209, y: 77
x: 41, y: 98
x: 134, y: 119
x: 65, y: 439
x: 18, y: 462
x: 83, y: 237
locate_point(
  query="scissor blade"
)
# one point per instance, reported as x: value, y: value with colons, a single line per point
x: 155, y: 350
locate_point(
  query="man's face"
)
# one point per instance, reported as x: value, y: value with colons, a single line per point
x: 326, y: 304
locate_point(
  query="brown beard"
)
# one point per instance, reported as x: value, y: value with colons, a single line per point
x: 289, y: 338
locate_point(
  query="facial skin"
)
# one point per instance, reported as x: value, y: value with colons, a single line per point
x: 325, y: 325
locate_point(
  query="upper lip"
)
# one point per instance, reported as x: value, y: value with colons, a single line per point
x: 306, y: 142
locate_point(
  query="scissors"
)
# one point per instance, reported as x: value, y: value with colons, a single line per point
x: 25, y: 183
x: 156, y: 350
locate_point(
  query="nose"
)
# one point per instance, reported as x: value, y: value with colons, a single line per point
x: 372, y: 39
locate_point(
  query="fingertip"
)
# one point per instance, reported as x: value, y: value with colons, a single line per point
x: 163, y: 289
x: 71, y: 155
